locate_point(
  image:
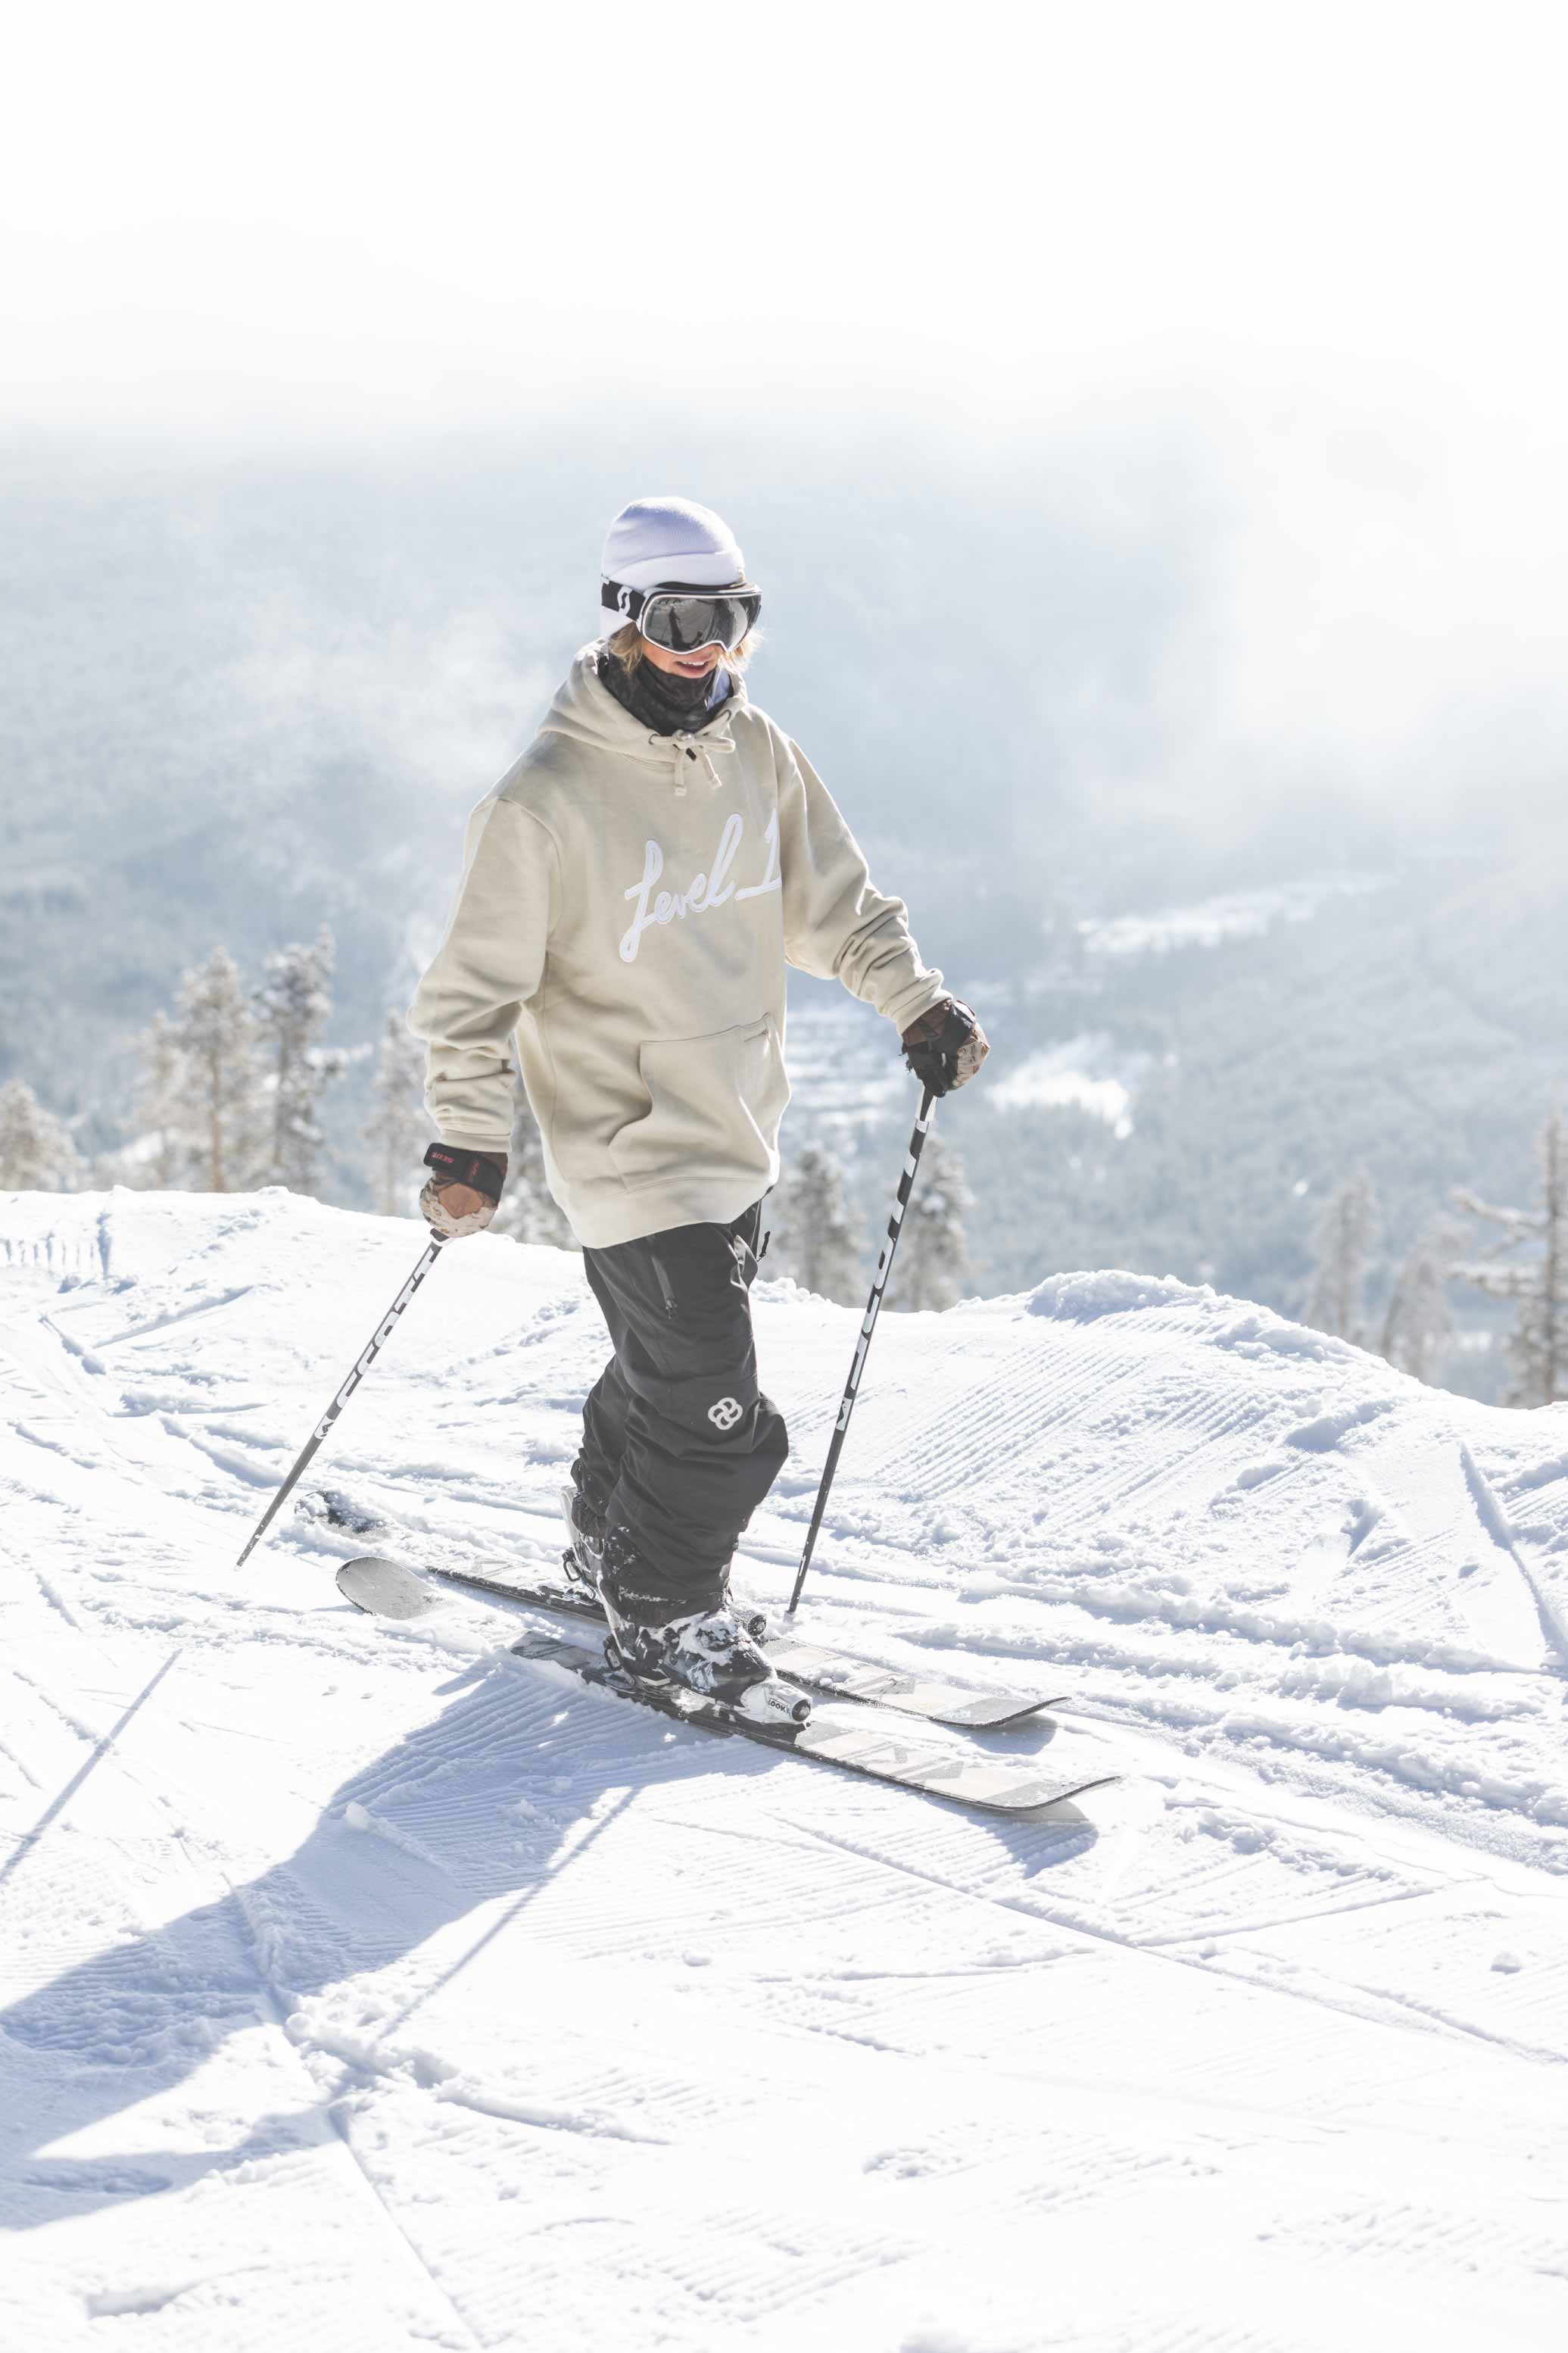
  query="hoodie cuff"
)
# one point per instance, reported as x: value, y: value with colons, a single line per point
x: 916, y: 998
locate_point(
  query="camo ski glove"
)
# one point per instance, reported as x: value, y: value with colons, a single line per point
x: 946, y: 1046
x: 473, y: 1180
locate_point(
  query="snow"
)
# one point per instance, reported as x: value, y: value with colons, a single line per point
x: 1236, y: 915
x: 1085, y: 1072
x: 366, y: 1985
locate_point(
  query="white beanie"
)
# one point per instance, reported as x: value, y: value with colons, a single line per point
x: 654, y: 540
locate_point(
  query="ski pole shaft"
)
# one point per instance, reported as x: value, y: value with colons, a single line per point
x: 862, y: 1346
x: 361, y: 1366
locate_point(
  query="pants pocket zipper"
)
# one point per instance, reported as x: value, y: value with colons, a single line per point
x: 657, y: 1265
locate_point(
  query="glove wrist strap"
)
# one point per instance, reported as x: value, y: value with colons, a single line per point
x: 481, y: 1172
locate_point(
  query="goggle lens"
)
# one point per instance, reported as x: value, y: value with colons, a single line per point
x: 684, y: 624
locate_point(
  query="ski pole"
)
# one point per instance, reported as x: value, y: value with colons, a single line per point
x: 361, y: 1366
x: 862, y: 1346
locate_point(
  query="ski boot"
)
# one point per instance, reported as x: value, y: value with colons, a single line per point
x: 710, y: 1651
x: 583, y: 1557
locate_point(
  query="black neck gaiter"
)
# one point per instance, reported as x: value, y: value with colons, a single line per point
x: 658, y: 701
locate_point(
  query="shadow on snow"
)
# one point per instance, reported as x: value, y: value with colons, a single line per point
x: 134, y: 2022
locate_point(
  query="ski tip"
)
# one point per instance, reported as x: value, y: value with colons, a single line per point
x: 1064, y: 1805
x: 1025, y: 1713
x: 385, y: 1588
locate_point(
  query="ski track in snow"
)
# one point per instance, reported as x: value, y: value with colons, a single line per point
x: 366, y: 1983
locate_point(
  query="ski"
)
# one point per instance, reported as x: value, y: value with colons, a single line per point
x: 857, y: 1739
x: 931, y: 1697
x: 806, y: 1662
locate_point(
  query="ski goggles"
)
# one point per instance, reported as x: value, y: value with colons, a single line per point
x: 685, y: 621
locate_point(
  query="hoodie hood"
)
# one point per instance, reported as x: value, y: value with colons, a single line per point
x: 585, y: 712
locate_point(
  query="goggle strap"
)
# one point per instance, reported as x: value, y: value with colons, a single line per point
x: 629, y: 602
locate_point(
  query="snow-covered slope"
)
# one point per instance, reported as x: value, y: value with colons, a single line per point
x: 367, y: 1985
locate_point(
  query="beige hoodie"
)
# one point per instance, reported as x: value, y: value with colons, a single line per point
x: 628, y: 904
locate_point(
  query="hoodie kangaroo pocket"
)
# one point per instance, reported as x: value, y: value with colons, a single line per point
x: 714, y: 1106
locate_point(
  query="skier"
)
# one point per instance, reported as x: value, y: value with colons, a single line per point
x: 632, y: 893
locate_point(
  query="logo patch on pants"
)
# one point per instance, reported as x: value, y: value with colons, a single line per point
x: 726, y: 1413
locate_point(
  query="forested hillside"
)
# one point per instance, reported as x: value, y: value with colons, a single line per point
x: 248, y: 700
x: 1417, y: 1029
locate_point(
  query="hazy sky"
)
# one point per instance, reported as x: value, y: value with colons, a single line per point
x: 372, y: 207
x: 1321, y: 242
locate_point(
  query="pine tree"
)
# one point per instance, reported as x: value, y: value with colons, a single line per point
x: 932, y: 1264
x: 160, y: 1103
x: 399, y: 1127
x: 293, y: 1007
x: 214, y: 1034
x: 813, y: 1234
x: 1343, y: 1240
x: 1538, y: 1346
x: 37, y: 1155
x: 1418, y: 1322
x: 528, y: 1211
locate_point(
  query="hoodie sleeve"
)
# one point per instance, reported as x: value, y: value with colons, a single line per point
x: 484, y: 972
x: 836, y: 924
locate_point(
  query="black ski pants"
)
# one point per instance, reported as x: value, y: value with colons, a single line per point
x: 680, y: 1445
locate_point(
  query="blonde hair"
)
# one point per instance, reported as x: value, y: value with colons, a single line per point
x: 627, y: 643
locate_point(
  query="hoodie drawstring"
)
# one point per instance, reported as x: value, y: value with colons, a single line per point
x: 696, y: 747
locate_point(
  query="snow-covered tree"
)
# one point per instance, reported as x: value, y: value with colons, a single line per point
x: 1418, y: 1322
x: 932, y: 1264
x: 221, y: 1105
x: 293, y: 1007
x: 37, y: 1155
x: 527, y: 1212
x: 164, y: 1152
x: 1343, y: 1242
x: 813, y: 1237
x: 399, y: 1129
x: 1538, y: 1346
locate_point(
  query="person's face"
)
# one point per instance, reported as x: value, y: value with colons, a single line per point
x: 697, y: 665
